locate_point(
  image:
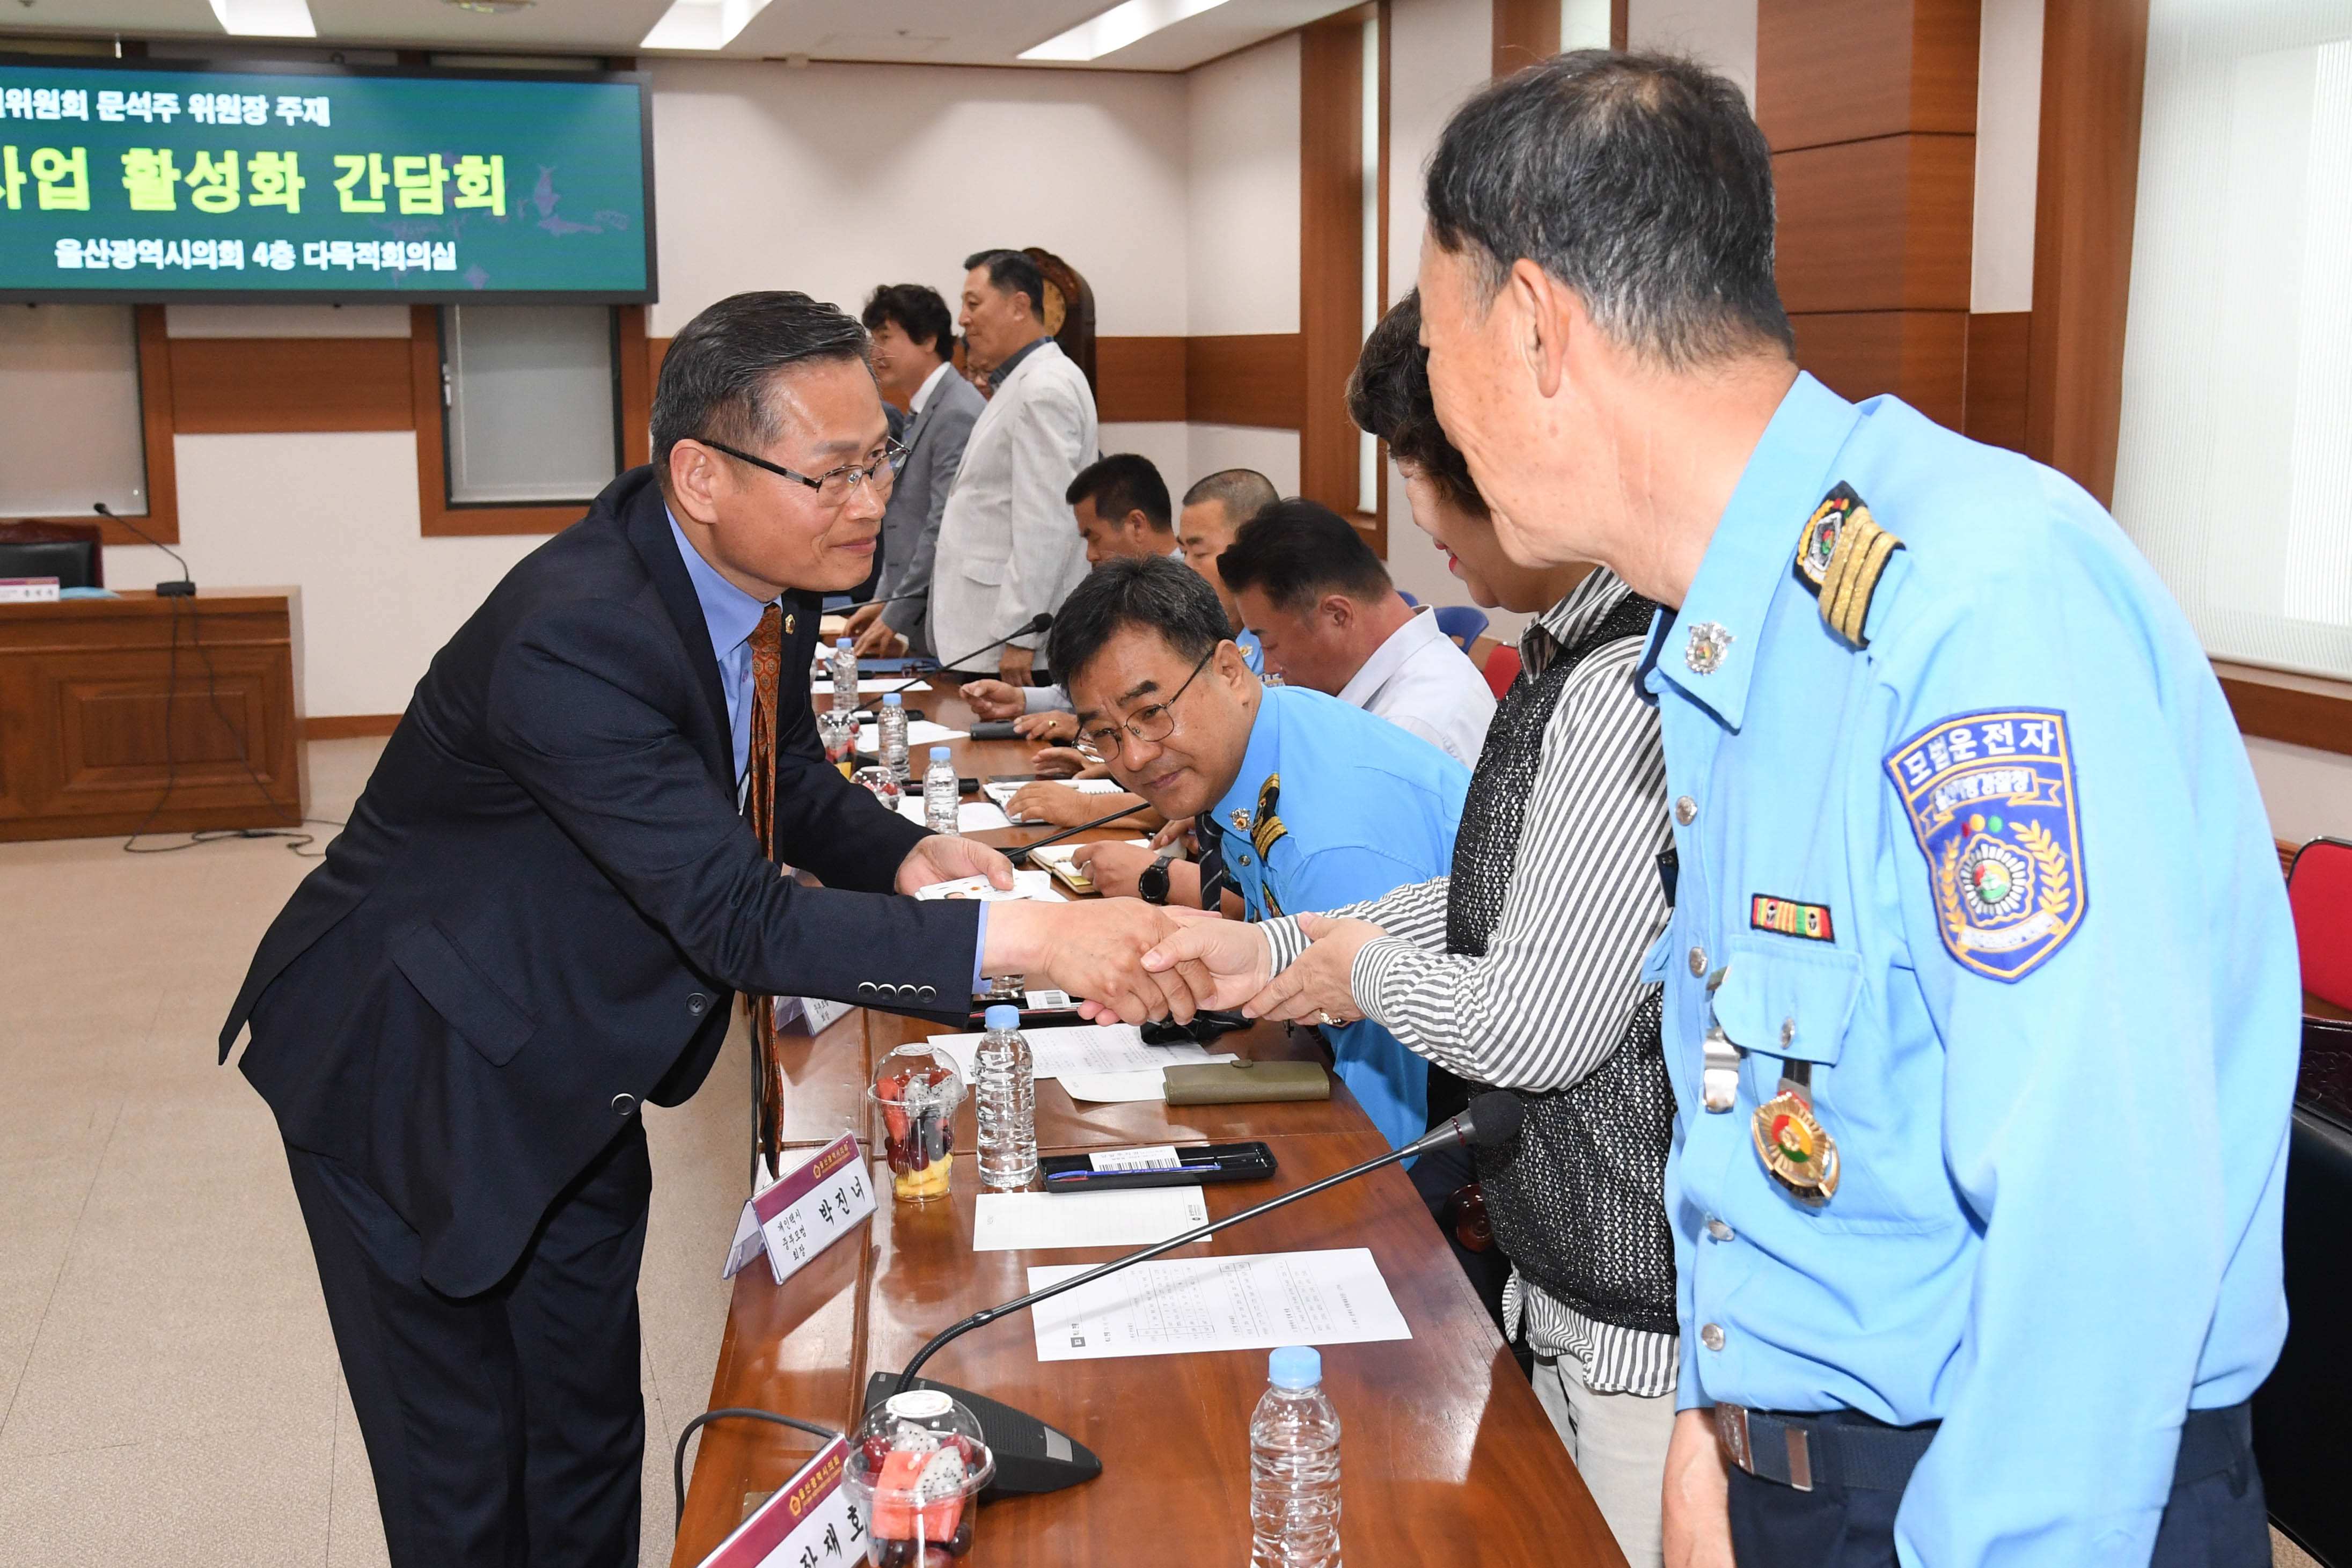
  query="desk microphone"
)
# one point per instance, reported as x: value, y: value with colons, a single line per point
x: 1041, y: 623
x: 1056, y: 837
x: 1032, y: 1456
x: 186, y: 588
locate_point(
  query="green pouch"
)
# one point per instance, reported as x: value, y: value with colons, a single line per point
x: 1243, y: 1083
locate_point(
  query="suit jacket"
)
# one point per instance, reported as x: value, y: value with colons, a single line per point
x: 1008, y: 545
x: 546, y: 899
x: 911, y: 527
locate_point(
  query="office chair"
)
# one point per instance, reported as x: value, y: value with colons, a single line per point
x: 1502, y: 668
x: 1466, y: 624
x: 66, y: 550
x: 2319, y: 890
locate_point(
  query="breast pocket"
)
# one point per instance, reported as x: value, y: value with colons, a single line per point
x: 467, y: 999
x: 1788, y: 998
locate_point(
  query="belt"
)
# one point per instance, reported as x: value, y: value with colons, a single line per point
x: 1850, y: 1450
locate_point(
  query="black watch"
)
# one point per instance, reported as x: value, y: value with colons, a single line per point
x: 1152, y: 881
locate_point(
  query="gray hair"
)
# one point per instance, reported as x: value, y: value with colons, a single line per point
x: 1640, y: 181
x: 1166, y: 596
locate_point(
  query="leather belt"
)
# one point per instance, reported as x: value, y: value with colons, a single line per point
x: 1848, y: 1450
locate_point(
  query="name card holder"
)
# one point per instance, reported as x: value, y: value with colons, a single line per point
x: 821, y: 1013
x: 802, y: 1212
x: 809, y: 1520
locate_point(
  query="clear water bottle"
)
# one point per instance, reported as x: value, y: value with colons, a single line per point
x: 941, y: 792
x: 893, y: 727
x: 845, y: 677
x: 1004, y: 1094
x: 1294, y: 1466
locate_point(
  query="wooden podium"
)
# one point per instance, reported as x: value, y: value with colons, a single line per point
x: 109, y: 708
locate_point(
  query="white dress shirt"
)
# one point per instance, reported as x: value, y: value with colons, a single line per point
x: 1418, y: 679
x: 1008, y: 547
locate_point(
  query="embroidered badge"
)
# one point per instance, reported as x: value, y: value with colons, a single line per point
x: 1269, y: 825
x: 1839, y: 558
x: 1992, y: 801
x: 1709, y: 643
x: 1790, y: 918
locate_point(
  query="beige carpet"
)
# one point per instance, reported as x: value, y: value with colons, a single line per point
x: 169, y: 1392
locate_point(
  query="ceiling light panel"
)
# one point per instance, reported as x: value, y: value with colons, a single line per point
x: 1116, y: 28
x: 266, y: 19
x: 700, y: 23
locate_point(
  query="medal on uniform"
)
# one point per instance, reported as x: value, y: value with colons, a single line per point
x: 1791, y: 1141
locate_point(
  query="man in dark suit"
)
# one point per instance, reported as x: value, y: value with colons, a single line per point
x: 914, y: 339
x: 540, y: 911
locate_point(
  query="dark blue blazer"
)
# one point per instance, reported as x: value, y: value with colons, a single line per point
x: 546, y: 899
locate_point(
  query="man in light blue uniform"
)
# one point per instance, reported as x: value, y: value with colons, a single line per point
x: 1317, y: 803
x: 1981, y: 1007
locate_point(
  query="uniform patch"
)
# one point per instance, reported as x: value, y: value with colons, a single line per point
x: 1839, y: 558
x: 1992, y: 801
x: 1790, y: 918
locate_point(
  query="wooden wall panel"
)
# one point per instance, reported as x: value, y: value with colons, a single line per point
x: 1918, y: 355
x: 1897, y: 67
x: 2280, y: 705
x: 162, y: 519
x: 1883, y: 225
x: 1525, y: 31
x: 2094, y: 67
x: 1998, y: 345
x: 1246, y: 379
x: 1139, y: 378
x: 233, y: 386
x: 636, y: 387
x: 1331, y: 261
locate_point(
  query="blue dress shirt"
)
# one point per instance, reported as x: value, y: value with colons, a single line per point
x: 1362, y: 808
x: 2001, y: 877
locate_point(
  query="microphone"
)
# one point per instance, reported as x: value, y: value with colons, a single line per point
x: 892, y: 599
x: 1032, y: 1456
x: 186, y: 588
x: 1040, y: 623
x: 1081, y: 828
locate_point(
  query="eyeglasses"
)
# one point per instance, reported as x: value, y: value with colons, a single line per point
x: 1153, y: 723
x: 834, y: 486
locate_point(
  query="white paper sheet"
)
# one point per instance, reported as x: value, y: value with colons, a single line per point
x: 867, y: 686
x: 1115, y: 1087
x: 920, y: 733
x: 1181, y: 1306
x: 1015, y: 1222
x: 1036, y: 885
x: 1147, y: 1157
x: 972, y: 815
x: 1085, y: 1048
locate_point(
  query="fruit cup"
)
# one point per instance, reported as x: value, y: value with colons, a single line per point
x: 916, y: 1090
x: 915, y: 1470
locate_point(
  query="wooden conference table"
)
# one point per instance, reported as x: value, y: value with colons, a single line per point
x: 1445, y: 1453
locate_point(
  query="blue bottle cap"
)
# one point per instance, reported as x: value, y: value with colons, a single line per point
x: 1295, y: 1366
x: 1002, y: 1017
x: 939, y: 753
x: 841, y: 642
x: 892, y: 699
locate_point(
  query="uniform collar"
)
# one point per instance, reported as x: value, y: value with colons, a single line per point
x: 731, y: 614
x: 1395, y: 649
x: 1751, y: 552
x: 1263, y: 756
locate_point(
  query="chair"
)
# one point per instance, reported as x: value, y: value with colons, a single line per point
x: 1408, y: 598
x: 1502, y: 668
x: 2298, y: 1412
x: 2319, y: 890
x: 1466, y: 624
x: 70, y: 551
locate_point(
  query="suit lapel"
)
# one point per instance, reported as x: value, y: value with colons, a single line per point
x: 648, y: 526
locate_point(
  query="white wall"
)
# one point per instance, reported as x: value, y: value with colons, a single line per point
x: 1440, y: 52
x: 1242, y: 197
x: 2009, y: 144
x: 833, y: 178
x: 1718, y: 34
x: 2308, y: 792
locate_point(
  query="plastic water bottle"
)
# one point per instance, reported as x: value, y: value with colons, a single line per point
x: 893, y: 727
x: 845, y: 677
x: 1294, y: 1466
x: 1004, y: 1095
x: 941, y: 792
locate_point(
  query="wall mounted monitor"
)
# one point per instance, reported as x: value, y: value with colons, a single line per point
x: 160, y: 182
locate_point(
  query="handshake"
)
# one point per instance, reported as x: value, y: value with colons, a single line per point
x: 1135, y: 961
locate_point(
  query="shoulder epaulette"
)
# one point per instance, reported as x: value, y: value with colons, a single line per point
x: 1839, y: 558
x: 1266, y: 826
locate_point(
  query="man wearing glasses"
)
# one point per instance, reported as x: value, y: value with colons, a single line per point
x: 563, y: 870
x: 1316, y: 803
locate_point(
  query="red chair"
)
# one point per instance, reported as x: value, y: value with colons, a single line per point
x: 1502, y: 668
x: 2319, y: 890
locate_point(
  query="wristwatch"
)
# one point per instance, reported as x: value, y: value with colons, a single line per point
x: 1152, y: 881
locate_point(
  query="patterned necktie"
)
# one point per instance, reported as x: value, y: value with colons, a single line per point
x: 760, y: 808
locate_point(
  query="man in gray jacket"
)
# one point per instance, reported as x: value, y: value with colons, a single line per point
x: 914, y: 338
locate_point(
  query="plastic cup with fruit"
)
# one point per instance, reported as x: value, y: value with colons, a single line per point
x: 917, y: 1469
x: 916, y: 1090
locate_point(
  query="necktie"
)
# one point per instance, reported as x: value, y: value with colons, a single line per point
x: 760, y: 808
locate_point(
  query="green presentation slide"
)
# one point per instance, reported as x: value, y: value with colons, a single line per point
x: 120, y: 181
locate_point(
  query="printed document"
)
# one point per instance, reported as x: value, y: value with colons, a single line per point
x: 1180, y: 1306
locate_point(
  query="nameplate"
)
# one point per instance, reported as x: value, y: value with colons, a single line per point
x: 28, y: 590
x: 804, y: 1211
x: 811, y: 1518
x: 821, y: 1012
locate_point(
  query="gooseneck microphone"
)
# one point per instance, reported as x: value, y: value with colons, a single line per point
x: 1017, y: 854
x: 1042, y: 622
x: 183, y: 589
x: 1035, y: 1458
